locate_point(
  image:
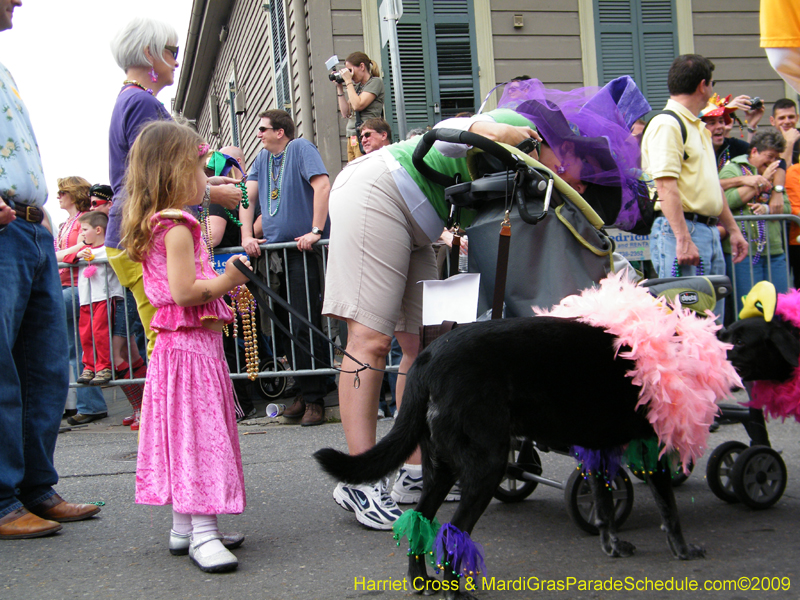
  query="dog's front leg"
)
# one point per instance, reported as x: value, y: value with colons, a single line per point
x: 604, y: 520
x: 660, y: 482
x: 418, y: 576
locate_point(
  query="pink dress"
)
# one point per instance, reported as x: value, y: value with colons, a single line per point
x: 189, y: 443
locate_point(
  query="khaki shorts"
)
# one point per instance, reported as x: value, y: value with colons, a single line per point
x: 378, y: 253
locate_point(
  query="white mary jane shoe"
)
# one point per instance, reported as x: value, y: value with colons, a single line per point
x: 210, y: 555
x: 179, y: 542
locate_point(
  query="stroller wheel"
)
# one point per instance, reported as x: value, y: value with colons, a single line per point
x: 759, y: 477
x: 271, y: 388
x: 719, y: 470
x: 522, y: 458
x: 580, y: 500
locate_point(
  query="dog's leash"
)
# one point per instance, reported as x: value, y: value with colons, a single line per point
x: 256, y: 282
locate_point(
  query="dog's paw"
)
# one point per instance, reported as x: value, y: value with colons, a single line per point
x: 686, y: 551
x: 615, y: 547
x: 623, y: 549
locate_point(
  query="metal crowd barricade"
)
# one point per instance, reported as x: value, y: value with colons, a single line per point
x: 270, y: 366
x: 740, y: 288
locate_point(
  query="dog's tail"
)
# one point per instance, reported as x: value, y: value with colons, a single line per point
x: 395, y: 447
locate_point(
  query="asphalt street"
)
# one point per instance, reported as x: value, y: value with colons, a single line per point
x: 300, y: 544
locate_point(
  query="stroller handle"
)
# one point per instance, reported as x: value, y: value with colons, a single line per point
x: 456, y: 136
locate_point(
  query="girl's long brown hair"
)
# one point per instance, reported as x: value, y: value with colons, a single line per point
x: 358, y: 58
x: 161, y: 174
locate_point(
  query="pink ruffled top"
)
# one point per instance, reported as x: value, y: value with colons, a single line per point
x: 680, y: 365
x: 169, y: 316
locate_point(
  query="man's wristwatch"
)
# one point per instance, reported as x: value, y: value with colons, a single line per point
x: 779, y: 188
x: 316, y: 231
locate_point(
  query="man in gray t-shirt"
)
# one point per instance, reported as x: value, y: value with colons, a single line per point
x: 289, y: 181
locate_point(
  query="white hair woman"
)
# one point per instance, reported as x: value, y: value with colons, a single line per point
x: 147, y: 50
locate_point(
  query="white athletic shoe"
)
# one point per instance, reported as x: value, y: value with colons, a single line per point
x: 210, y: 555
x: 371, y: 503
x: 407, y: 488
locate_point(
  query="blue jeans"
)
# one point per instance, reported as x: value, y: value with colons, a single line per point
x: 767, y: 265
x: 33, y: 355
x: 90, y: 399
x: 663, y: 251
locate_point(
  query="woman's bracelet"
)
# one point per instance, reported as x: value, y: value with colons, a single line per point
x: 340, y: 95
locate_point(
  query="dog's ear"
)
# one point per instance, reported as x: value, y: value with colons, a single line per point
x: 786, y: 341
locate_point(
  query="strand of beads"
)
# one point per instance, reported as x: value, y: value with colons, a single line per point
x: 245, y: 305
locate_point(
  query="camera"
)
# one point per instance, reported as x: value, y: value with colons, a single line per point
x: 331, y: 65
x: 756, y: 103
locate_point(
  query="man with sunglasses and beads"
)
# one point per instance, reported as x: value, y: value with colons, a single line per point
x: 100, y: 198
x: 33, y: 333
x: 289, y: 181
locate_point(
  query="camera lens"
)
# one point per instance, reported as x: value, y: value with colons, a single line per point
x: 756, y: 103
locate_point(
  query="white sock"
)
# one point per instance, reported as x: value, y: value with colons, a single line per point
x: 413, y: 470
x: 181, y: 523
x: 203, y: 525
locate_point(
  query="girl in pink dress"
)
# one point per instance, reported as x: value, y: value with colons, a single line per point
x: 188, y: 446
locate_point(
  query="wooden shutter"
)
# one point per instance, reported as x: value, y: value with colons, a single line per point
x: 280, y: 55
x: 637, y: 38
x: 436, y: 40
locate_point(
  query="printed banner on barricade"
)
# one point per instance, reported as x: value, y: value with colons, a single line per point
x: 219, y: 262
x: 631, y: 246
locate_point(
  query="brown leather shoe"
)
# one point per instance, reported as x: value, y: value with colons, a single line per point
x: 21, y: 524
x: 56, y: 508
x: 315, y: 415
x: 296, y: 410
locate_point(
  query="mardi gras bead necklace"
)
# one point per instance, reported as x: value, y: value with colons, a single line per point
x: 761, y: 242
x: 276, y: 180
x: 139, y: 85
x: 676, y: 269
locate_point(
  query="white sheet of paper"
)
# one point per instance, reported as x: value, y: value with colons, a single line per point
x: 451, y: 299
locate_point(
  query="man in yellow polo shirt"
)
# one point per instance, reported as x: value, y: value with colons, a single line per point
x: 684, y: 239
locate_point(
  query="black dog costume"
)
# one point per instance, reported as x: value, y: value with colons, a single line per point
x: 559, y: 381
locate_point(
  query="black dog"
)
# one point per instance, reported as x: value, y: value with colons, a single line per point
x: 763, y: 350
x: 554, y: 380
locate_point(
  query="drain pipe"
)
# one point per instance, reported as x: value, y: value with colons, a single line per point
x: 304, y: 75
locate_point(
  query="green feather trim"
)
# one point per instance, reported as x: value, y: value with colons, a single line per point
x: 642, y: 457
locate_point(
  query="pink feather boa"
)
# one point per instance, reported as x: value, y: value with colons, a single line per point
x: 776, y: 398
x: 681, y: 366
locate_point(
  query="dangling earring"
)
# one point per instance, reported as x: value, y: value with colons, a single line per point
x: 153, y: 75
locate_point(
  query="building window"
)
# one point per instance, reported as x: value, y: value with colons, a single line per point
x: 280, y: 56
x: 438, y: 59
x: 232, y: 107
x: 637, y: 38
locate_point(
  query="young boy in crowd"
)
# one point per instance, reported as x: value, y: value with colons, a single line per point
x: 96, y: 285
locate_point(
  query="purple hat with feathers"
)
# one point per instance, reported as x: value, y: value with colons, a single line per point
x: 597, y: 122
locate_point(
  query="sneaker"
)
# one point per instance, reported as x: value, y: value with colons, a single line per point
x: 407, y: 488
x: 80, y: 419
x: 137, y: 414
x: 102, y: 377
x: 455, y: 493
x: 179, y: 542
x: 86, y: 376
x: 129, y: 420
x: 372, y: 504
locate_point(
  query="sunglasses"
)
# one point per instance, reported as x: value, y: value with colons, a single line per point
x: 366, y: 134
x: 172, y: 50
x: 263, y: 129
x: 99, y: 202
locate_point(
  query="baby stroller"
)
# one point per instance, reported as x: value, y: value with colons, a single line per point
x: 559, y: 245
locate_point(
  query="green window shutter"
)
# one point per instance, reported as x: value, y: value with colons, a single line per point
x: 438, y: 59
x: 637, y: 38
x: 280, y: 56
